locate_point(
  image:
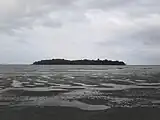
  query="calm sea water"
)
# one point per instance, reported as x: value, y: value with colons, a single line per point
x: 84, y: 87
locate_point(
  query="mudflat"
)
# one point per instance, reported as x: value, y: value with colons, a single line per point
x: 79, y: 93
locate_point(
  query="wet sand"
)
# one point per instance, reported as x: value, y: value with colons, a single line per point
x: 66, y: 113
x: 85, y: 93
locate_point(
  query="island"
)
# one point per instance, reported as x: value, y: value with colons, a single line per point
x: 78, y: 62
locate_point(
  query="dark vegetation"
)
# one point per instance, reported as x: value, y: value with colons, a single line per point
x: 78, y: 62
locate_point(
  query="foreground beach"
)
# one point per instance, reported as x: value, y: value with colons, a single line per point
x: 64, y: 113
x: 79, y: 93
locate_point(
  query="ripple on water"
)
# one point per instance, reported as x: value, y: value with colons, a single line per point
x: 39, y: 91
x: 148, y: 84
x: 41, y: 81
x: 16, y: 84
x: 82, y: 84
x: 57, y: 101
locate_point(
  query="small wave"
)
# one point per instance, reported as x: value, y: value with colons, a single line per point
x: 60, y: 85
x: 41, y: 81
x: 56, y: 101
x: 39, y: 84
x: 140, y: 80
x: 122, y: 82
x: 45, y: 76
x: 16, y: 84
x: 148, y: 84
x: 30, y: 86
x: 82, y: 84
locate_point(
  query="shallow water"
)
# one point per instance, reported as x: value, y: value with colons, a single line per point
x: 85, y: 87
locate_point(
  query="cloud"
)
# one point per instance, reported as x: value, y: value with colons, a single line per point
x: 22, y: 13
x: 115, y: 29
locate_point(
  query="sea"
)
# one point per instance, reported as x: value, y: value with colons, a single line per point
x: 28, y: 91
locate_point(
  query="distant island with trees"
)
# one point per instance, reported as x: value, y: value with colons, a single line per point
x: 78, y: 62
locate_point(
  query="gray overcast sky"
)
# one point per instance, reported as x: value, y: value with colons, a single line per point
x: 127, y: 30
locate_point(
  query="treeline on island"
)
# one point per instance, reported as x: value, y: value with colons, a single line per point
x: 78, y: 62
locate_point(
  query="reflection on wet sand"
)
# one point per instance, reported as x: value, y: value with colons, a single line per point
x: 94, y: 92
